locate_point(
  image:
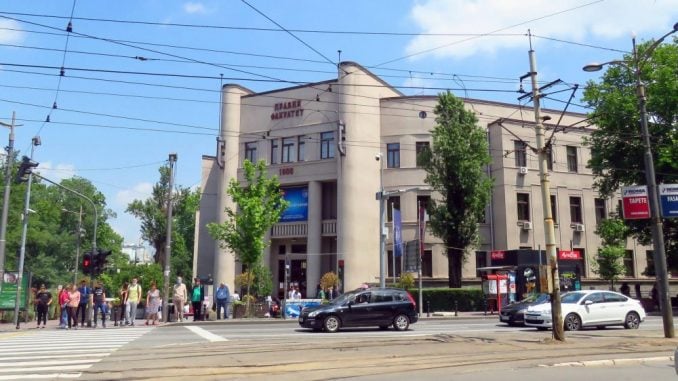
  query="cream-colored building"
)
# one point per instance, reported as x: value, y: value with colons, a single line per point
x: 322, y: 141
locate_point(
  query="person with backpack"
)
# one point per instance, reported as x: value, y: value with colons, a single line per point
x: 99, y: 296
x: 81, y: 310
x: 133, y: 299
x: 43, y: 299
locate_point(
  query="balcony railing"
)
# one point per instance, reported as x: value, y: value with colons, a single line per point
x: 289, y: 230
x: 329, y: 228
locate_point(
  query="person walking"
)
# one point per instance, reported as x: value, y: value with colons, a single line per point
x: 84, y: 298
x: 133, y: 299
x: 62, y: 298
x: 331, y: 293
x: 152, y: 304
x: 43, y: 299
x: 99, y: 296
x: 179, y: 298
x: 197, y: 296
x: 73, y: 304
x: 223, y: 296
x: 124, y: 290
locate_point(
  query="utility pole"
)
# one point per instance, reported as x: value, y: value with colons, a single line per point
x: 551, y: 259
x: 168, y: 247
x: 77, y: 247
x: 5, y: 203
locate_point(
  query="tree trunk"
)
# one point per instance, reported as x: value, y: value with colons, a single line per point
x: 454, y: 266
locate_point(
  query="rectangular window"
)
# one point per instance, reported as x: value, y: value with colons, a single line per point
x: 519, y: 148
x: 301, y: 148
x: 424, y: 201
x: 329, y: 201
x: 274, y: 151
x: 481, y: 261
x: 421, y: 147
x: 251, y: 151
x: 549, y: 159
x: 629, y: 268
x: 398, y: 264
x: 575, y: 210
x: 288, y: 150
x: 393, y: 203
x: 601, y: 210
x: 554, y: 209
x: 393, y: 155
x: 523, y: 200
x: 649, y: 257
x: 572, y: 165
x: 327, y: 145
x: 427, y: 264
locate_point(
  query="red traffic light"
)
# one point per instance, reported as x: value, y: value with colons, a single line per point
x: 87, y: 263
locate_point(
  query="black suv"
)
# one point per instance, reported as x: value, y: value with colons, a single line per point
x: 379, y: 307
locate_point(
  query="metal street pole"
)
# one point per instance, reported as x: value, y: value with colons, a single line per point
x: 551, y: 259
x: 5, y: 203
x: 77, y: 247
x: 168, y: 246
x: 382, y: 218
x: 22, y: 250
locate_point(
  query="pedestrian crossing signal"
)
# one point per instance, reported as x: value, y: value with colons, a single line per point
x: 87, y: 264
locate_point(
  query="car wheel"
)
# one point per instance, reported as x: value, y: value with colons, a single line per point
x: 572, y: 322
x: 632, y: 321
x: 401, y: 322
x: 331, y: 324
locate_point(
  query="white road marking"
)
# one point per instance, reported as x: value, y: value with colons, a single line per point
x: 205, y: 334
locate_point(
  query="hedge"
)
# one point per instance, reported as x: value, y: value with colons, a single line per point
x: 442, y: 299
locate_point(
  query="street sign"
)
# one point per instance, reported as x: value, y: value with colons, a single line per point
x: 635, y: 203
x: 668, y: 198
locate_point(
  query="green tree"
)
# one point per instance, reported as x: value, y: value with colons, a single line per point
x: 610, y: 261
x: 616, y: 142
x: 259, y: 205
x: 152, y: 213
x: 456, y: 170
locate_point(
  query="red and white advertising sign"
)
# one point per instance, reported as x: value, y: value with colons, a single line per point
x: 569, y: 255
x: 635, y: 202
x: 498, y: 255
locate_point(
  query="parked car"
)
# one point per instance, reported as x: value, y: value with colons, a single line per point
x: 595, y: 308
x: 379, y: 307
x: 514, y: 313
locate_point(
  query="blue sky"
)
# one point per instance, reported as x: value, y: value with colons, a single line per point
x: 118, y: 117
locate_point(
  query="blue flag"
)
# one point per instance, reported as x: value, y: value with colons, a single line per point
x: 397, y: 234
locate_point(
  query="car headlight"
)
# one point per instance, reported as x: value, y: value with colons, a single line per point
x: 522, y: 311
x: 313, y: 314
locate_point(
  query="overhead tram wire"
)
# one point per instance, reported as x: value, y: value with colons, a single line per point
x: 488, y: 33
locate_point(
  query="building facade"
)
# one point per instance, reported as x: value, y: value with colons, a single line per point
x: 333, y: 144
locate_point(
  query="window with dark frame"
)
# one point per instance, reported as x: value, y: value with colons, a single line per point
x: 327, y: 145
x: 523, y: 202
x: 393, y: 203
x: 601, y: 209
x: 520, y: 150
x: 389, y: 265
x: 575, y: 210
x: 274, y: 151
x: 421, y: 147
x: 629, y: 267
x: 301, y: 148
x: 427, y: 264
x: 481, y: 261
x: 288, y: 150
x: 554, y: 209
x: 251, y: 151
x: 393, y: 155
x: 572, y: 165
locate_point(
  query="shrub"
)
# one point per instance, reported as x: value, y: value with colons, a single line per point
x: 329, y: 279
x: 442, y: 299
x: 406, y: 281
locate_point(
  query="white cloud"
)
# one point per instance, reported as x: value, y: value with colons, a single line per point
x: 195, y: 8
x: 8, y: 36
x: 604, y: 20
x: 140, y: 191
x: 56, y: 172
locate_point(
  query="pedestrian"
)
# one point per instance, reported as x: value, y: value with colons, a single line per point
x: 124, y: 292
x: 625, y: 289
x: 296, y: 295
x: 222, y: 297
x: 133, y: 299
x: 290, y: 293
x: 99, y: 301
x: 63, y: 305
x: 73, y: 304
x: 179, y: 298
x: 197, y: 296
x: 85, y: 292
x: 152, y: 304
x: 43, y: 299
x: 321, y: 294
x: 331, y: 294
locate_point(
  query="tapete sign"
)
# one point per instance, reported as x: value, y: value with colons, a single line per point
x: 668, y: 198
x: 635, y: 203
x: 284, y: 110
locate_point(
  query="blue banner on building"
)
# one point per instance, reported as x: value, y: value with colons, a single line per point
x: 397, y: 233
x: 668, y: 198
x: 298, y: 208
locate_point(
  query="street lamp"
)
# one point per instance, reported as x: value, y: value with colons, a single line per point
x: 657, y: 229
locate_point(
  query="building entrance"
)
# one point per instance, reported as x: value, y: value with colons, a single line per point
x: 296, y: 277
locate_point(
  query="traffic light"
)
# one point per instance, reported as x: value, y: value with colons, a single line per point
x: 25, y: 169
x: 101, y: 260
x: 87, y: 264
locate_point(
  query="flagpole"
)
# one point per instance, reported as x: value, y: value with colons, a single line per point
x: 421, y: 292
x: 393, y: 239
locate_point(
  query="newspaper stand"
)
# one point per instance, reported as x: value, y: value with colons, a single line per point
x: 496, y: 286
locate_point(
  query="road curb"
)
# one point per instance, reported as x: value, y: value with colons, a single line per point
x: 609, y: 362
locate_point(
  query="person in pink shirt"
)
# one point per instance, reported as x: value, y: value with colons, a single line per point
x: 73, y: 302
x: 63, y: 306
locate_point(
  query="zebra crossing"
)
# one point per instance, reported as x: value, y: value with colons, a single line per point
x: 60, y: 354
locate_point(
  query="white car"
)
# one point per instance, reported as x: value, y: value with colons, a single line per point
x: 589, y: 308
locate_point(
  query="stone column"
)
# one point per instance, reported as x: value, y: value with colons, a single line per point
x: 314, y: 237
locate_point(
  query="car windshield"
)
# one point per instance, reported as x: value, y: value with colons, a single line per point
x: 536, y: 299
x: 343, y: 298
x: 572, y: 297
